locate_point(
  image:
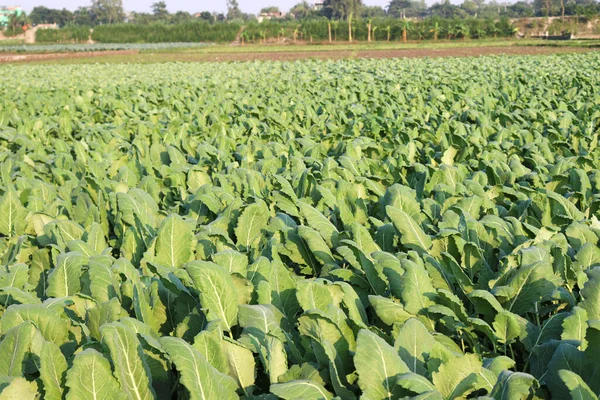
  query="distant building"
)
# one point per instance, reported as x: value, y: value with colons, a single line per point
x: 7, y: 11
x: 318, y: 5
x: 270, y: 15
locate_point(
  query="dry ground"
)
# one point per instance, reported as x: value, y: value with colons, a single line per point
x: 135, y: 56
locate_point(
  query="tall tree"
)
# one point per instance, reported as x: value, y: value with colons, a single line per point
x: 270, y: 9
x: 233, y: 10
x: 447, y: 10
x: 302, y: 10
x: 470, y: 7
x: 83, y: 16
x: 44, y: 15
x: 546, y: 8
x: 159, y: 9
x: 107, y: 11
x: 206, y: 15
x: 180, y: 17
x: 341, y: 9
x: 372, y: 12
x: 406, y: 8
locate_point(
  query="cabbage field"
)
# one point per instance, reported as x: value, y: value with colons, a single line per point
x: 373, y: 229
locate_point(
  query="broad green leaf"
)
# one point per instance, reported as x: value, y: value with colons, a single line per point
x: 507, y: 327
x: 232, y: 261
x: 313, y: 294
x: 378, y: 366
x: 458, y: 376
x: 578, y: 388
x: 282, y: 289
x: 20, y: 389
x: 15, y: 348
x: 175, y: 242
x: 250, y: 225
x: 363, y: 239
x: 513, y: 385
x: 412, y: 235
x: 319, y: 223
x: 138, y: 204
x: 353, y: 305
x: 91, y: 378
x: 416, y: 289
x: 53, y: 368
x: 104, y: 284
x: 389, y: 311
x: 241, y: 364
x: 415, y: 383
x: 300, y: 389
x: 563, y: 207
x: 566, y: 357
x: 202, y: 381
x: 128, y: 359
x: 320, y: 327
x: 575, y: 326
x: 63, y: 279
x: 591, y: 294
x: 530, y: 283
x: 108, y: 311
x: 218, y: 294
x: 588, y: 256
x: 13, y: 214
x: 413, y: 343
x: 48, y: 321
x: 261, y: 317
x: 316, y: 244
x: 209, y: 344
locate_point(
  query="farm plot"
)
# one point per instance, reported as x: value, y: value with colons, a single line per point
x: 375, y: 229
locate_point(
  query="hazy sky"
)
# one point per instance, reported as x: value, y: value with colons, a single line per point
x: 248, y: 6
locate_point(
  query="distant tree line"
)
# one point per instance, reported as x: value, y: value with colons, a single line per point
x: 335, y: 20
x: 101, y: 12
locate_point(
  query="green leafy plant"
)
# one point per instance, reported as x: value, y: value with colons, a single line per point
x: 356, y: 231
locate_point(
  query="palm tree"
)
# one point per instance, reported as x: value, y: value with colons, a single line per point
x: 369, y: 24
x: 374, y: 29
x: 388, y: 30
x: 406, y: 25
x: 16, y: 23
x: 435, y: 30
x: 334, y: 25
x: 350, y: 27
x: 421, y: 31
x: 461, y: 30
x: 493, y: 29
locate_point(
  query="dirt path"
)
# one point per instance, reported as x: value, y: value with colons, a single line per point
x: 397, y: 53
x: 136, y: 56
x: 4, y: 58
x: 238, y: 37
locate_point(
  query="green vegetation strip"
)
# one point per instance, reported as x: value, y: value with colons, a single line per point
x: 380, y: 229
x: 78, y: 48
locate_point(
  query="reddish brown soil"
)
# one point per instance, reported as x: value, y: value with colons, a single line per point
x: 12, y: 57
x: 399, y: 53
x: 135, y: 56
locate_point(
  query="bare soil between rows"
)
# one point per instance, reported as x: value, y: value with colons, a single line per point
x: 135, y: 56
